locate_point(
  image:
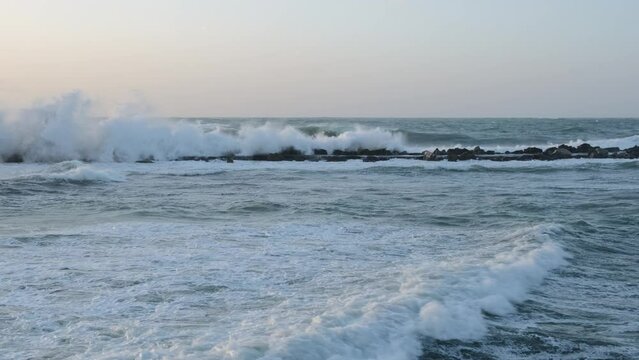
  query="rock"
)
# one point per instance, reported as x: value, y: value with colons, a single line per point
x: 518, y: 152
x: 633, y: 152
x: 584, y: 148
x: 613, y: 149
x: 525, y: 157
x: 229, y: 159
x: 621, y: 155
x: 15, y: 158
x: 467, y: 155
x: 344, y: 152
x: 320, y: 152
x: 290, y: 151
x: 374, y: 152
x: 371, y: 158
x: 571, y: 149
x: 148, y: 160
x: 532, y: 150
x: 452, y: 156
x: 598, y: 153
x: 478, y: 151
x: 490, y: 152
x: 554, y: 153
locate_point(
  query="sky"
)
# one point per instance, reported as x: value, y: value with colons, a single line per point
x: 342, y: 58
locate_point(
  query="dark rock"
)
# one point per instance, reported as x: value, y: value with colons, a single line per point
x: 320, y: 152
x: 518, y: 152
x: 613, y: 149
x: 15, y: 158
x: 372, y: 158
x: 337, y: 158
x: 290, y: 151
x: 633, y: 152
x: 478, y: 151
x: 452, y: 156
x: 525, y: 157
x: 584, y: 148
x: 550, y: 150
x: 562, y: 153
x: 344, y: 152
x: 598, y: 153
x: 532, y: 150
x: 375, y: 152
x: 229, y: 159
x: 571, y: 149
x: 621, y: 155
x: 457, y: 151
x: 490, y: 152
x: 467, y: 155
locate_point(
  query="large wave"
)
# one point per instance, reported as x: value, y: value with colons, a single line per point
x: 63, y: 130
x: 443, y: 301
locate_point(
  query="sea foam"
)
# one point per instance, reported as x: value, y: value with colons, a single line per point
x: 444, y: 301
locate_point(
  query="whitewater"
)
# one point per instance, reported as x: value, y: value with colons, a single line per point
x: 106, y: 258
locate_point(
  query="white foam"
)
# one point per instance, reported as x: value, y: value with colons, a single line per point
x: 63, y: 130
x: 443, y: 300
x: 71, y: 171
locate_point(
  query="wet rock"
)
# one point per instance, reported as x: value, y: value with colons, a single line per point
x: 467, y: 155
x: 571, y: 149
x: 320, y: 152
x: 344, y: 152
x: 479, y: 151
x: 15, y: 158
x: 375, y: 152
x: 525, y: 157
x: 584, y: 148
x: 452, y: 156
x: 553, y: 153
x: 633, y: 152
x: 372, y: 158
x: 562, y: 153
x: 598, y: 153
x: 613, y: 149
x: 532, y: 150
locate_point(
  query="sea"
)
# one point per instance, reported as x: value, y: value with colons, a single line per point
x: 105, y: 258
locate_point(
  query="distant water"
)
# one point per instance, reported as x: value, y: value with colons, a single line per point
x: 401, y: 259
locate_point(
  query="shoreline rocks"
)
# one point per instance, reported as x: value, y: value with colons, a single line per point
x: 584, y: 150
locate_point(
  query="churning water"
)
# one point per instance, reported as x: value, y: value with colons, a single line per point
x: 401, y: 259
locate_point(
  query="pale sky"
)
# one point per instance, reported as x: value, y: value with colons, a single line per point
x: 401, y: 58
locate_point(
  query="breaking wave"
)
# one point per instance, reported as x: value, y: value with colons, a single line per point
x: 444, y: 301
x: 63, y: 130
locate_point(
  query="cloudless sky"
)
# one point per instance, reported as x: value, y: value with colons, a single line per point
x: 558, y: 58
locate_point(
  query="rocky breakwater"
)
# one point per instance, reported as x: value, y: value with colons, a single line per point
x: 372, y: 155
x: 453, y: 154
x: 533, y: 153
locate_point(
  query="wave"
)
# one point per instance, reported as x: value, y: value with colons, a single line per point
x: 73, y: 171
x: 63, y: 130
x: 444, y: 301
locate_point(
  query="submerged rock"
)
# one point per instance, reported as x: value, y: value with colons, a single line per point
x: 15, y: 158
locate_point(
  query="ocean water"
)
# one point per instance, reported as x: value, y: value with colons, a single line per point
x: 402, y: 259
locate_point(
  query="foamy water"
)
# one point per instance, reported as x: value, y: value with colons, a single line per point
x: 397, y: 260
